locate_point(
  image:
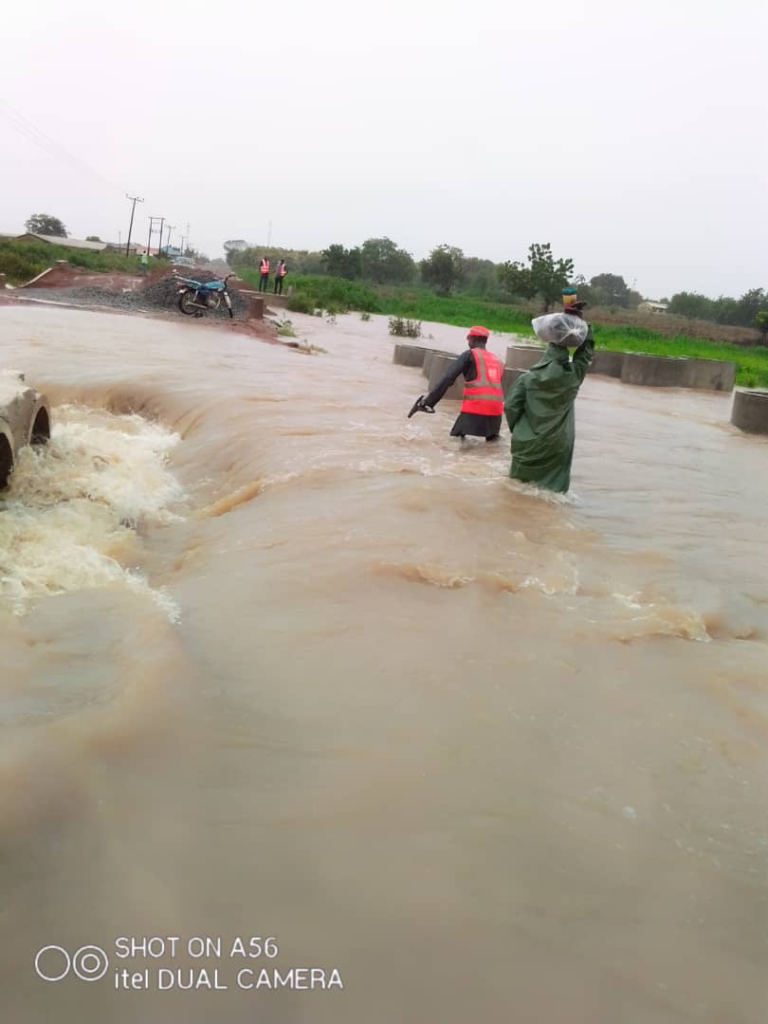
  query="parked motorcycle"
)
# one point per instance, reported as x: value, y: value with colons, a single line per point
x: 196, y: 297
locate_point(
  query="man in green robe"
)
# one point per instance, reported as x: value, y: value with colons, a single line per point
x: 540, y: 414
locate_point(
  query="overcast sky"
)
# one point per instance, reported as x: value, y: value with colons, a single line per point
x: 633, y: 137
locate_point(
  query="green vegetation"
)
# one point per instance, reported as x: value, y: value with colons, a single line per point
x: 463, y: 311
x: 404, y: 328
x: 443, y: 269
x: 285, y: 329
x: 447, y: 270
x: 45, y: 224
x: 544, y: 277
x: 21, y: 261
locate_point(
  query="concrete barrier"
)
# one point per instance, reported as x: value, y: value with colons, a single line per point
x: 255, y: 304
x: 437, y: 371
x: 508, y: 378
x: 606, y: 363
x: 409, y: 355
x: 671, y: 372
x: 750, y: 411
x: 522, y: 357
x: 25, y: 418
x: 430, y: 354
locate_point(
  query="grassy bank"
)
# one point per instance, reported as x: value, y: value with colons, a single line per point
x: 339, y: 295
x: 21, y: 261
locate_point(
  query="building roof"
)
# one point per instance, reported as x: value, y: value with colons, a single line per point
x: 70, y: 243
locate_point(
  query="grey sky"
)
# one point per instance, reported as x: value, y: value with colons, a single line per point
x: 633, y: 137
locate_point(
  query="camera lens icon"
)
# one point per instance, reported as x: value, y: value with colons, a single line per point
x: 89, y: 963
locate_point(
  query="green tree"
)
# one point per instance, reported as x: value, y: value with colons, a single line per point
x: 544, y: 277
x: 443, y: 268
x: 609, y: 290
x: 750, y: 304
x: 517, y: 280
x: 691, y: 304
x: 45, y: 224
x: 761, y: 323
x: 383, y: 262
x: 342, y: 262
x: 92, y: 238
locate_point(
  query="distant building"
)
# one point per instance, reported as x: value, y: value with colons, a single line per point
x: 69, y: 243
x: 652, y: 307
x: 235, y: 245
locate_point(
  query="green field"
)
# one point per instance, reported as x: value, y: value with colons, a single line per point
x: 338, y: 295
x: 21, y: 261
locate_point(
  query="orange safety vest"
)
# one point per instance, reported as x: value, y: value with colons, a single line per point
x: 265, y: 266
x: 283, y: 270
x: 484, y: 395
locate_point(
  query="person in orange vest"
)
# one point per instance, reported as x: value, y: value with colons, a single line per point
x: 482, y: 404
x: 280, y: 271
x: 264, y: 271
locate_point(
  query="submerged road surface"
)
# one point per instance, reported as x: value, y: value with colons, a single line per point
x: 280, y: 664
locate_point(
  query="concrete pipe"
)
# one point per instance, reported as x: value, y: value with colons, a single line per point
x: 437, y: 371
x: 668, y: 372
x: 750, y: 411
x: 606, y: 363
x: 409, y: 355
x: 430, y: 354
x: 508, y: 378
x: 25, y: 418
x: 522, y: 357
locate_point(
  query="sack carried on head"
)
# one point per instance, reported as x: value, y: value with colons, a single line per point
x: 560, y: 329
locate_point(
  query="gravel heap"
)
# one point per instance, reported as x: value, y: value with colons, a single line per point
x: 160, y: 294
x: 88, y: 297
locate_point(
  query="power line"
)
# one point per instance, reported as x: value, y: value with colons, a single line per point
x: 24, y: 126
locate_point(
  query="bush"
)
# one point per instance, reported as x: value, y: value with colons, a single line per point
x: 365, y: 316
x: 404, y: 328
x: 300, y: 302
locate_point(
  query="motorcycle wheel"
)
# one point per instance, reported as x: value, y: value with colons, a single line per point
x: 214, y: 301
x: 187, y: 303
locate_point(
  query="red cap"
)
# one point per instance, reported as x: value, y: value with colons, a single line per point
x: 479, y: 332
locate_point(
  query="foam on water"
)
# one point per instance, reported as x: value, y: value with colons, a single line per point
x: 71, y: 516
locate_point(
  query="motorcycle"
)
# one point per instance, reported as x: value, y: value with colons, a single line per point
x: 195, y: 297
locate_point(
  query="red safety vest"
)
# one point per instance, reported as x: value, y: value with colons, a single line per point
x: 265, y: 266
x: 484, y: 394
x: 283, y: 270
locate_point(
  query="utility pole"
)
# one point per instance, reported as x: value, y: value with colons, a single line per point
x: 134, y: 200
x: 269, y: 235
x: 187, y: 236
x: 160, y: 244
x: 151, y: 226
x: 170, y: 229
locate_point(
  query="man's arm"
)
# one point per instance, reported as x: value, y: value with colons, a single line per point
x: 514, y: 404
x: 452, y: 374
x: 582, y: 357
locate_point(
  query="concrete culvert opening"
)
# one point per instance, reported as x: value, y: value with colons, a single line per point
x: 41, y: 428
x: 6, y: 461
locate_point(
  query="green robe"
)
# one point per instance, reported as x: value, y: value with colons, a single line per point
x: 539, y: 411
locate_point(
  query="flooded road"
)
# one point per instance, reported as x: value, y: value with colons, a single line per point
x: 280, y: 662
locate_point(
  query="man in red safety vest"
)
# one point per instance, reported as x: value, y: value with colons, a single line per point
x: 483, y: 400
x: 280, y: 271
x: 264, y: 271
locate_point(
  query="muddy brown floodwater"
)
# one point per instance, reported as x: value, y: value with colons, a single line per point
x: 278, y: 662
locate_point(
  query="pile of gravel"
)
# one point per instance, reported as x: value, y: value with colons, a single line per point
x: 160, y: 294
x: 88, y: 297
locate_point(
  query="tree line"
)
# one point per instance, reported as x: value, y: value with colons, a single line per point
x: 539, y: 278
